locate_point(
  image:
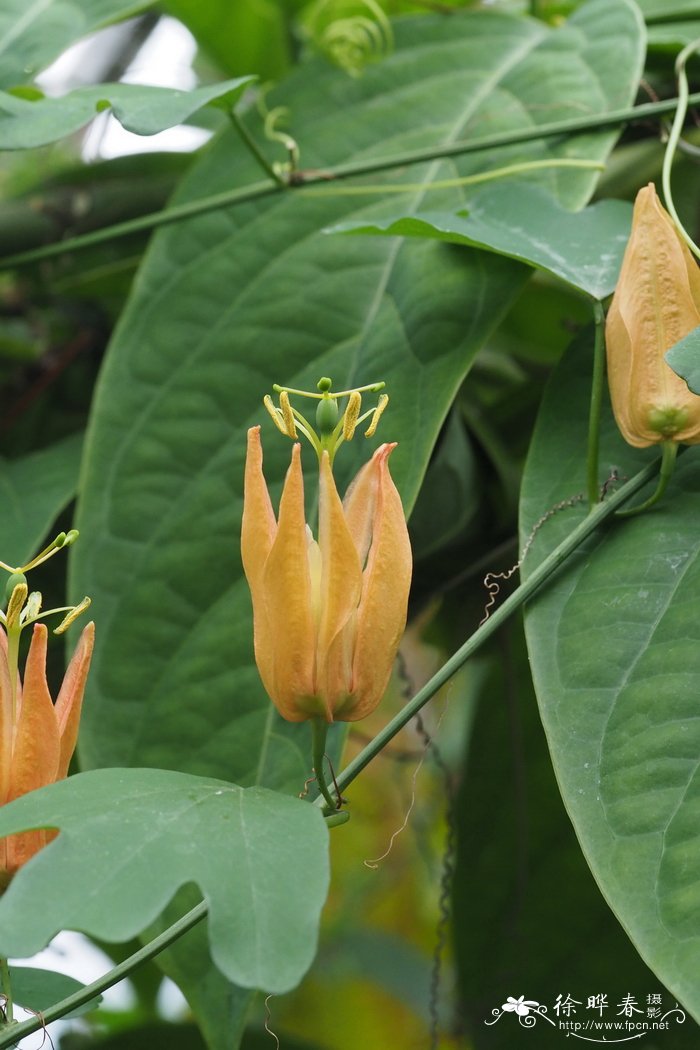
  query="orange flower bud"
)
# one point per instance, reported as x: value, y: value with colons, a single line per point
x: 328, y: 614
x: 37, y: 739
x: 656, y: 303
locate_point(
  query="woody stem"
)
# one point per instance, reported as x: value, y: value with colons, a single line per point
x: 319, y: 729
x: 6, y: 987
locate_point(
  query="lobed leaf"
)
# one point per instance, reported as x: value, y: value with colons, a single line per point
x: 129, y: 839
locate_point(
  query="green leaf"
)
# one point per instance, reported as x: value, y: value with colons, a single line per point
x: 130, y: 838
x: 672, y: 36
x: 229, y: 303
x: 520, y: 879
x: 139, y: 108
x: 33, y: 34
x: 663, y: 9
x: 35, y: 489
x: 144, y: 1036
x: 221, y: 1008
x: 684, y: 359
x: 613, y: 645
x: 525, y: 222
x: 448, y: 500
x: 243, y: 37
x: 35, y: 989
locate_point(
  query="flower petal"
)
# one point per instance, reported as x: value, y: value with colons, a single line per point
x: 341, y: 588
x: 6, y: 722
x: 286, y: 653
x: 258, y: 531
x: 381, y: 616
x: 36, y: 749
x: 70, y: 698
x: 258, y: 527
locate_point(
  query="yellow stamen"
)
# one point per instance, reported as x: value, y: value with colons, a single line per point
x: 288, y: 415
x: 72, y: 616
x: 381, y: 405
x: 352, y: 413
x: 16, y: 604
x: 275, y: 413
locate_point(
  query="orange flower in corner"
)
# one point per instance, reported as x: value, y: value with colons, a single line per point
x: 328, y: 613
x: 37, y: 738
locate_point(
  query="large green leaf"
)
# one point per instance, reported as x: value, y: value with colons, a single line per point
x: 528, y: 917
x: 662, y: 9
x: 614, y: 651
x: 35, y: 489
x: 227, y: 304
x: 33, y: 34
x: 524, y: 222
x: 130, y: 838
x: 244, y: 37
x: 139, y: 108
x: 672, y: 36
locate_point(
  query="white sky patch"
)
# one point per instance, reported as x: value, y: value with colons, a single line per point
x: 164, y: 60
x: 73, y: 954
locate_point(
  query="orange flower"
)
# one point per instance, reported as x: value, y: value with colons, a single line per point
x: 37, y: 740
x: 328, y: 615
x: 656, y: 303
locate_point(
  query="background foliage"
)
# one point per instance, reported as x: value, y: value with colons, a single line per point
x: 131, y: 369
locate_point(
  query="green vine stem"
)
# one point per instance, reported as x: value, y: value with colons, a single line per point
x: 255, y: 149
x: 684, y: 99
x: 597, y: 388
x: 525, y: 591
x: 669, y: 452
x: 6, y: 989
x: 319, y: 729
x: 596, y: 516
x: 72, y: 1002
x: 256, y: 191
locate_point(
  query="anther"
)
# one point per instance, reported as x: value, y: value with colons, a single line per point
x: 381, y: 405
x: 16, y: 604
x: 287, y: 415
x: 72, y: 616
x: 351, y: 415
x: 274, y: 412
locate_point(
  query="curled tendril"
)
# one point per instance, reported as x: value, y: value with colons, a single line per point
x: 351, y: 33
x: 674, y: 139
x: 272, y: 121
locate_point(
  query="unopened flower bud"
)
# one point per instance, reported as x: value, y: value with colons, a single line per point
x: 656, y: 303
